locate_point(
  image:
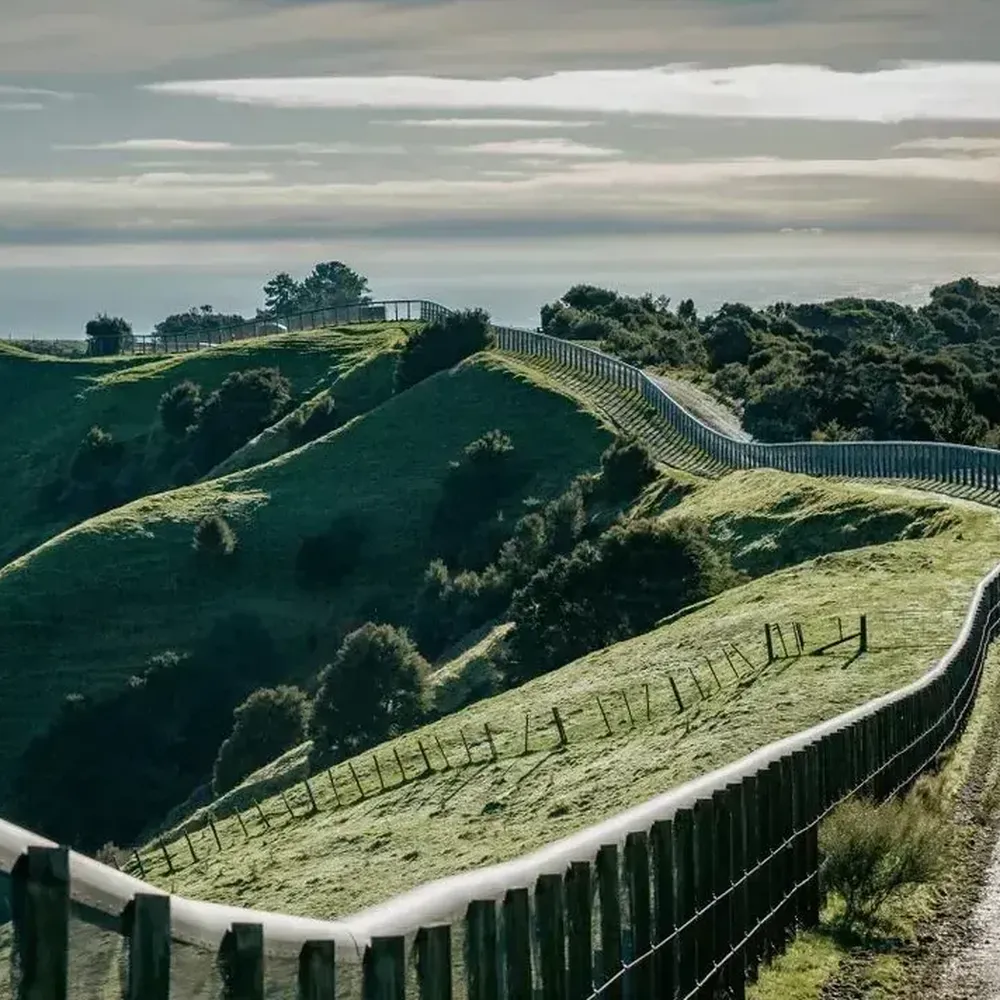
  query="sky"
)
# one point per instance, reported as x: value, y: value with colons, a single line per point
x: 491, y: 152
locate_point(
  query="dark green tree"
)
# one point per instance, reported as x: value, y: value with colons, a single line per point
x: 374, y: 689
x: 180, y: 407
x: 442, y: 344
x: 108, y: 335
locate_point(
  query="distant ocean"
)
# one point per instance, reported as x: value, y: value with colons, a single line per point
x: 54, y: 294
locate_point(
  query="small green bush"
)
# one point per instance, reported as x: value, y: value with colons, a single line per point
x: 626, y: 467
x: 324, y: 560
x: 97, y: 457
x: 873, y: 854
x: 269, y: 722
x: 180, y: 408
x: 442, y: 344
x: 374, y: 689
x: 214, y: 537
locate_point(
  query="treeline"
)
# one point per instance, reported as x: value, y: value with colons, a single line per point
x: 846, y: 369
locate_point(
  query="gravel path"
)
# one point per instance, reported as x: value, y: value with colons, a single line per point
x: 703, y: 406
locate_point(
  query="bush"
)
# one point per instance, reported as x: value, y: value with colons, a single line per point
x: 214, y: 538
x: 613, y: 589
x: 98, y: 456
x: 325, y: 560
x: 269, y: 722
x: 313, y: 421
x: 374, y: 689
x: 442, y: 344
x: 626, y: 467
x: 875, y: 853
x: 180, y: 407
x: 107, y: 335
x: 238, y: 410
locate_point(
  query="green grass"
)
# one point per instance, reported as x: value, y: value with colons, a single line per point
x: 913, y: 579
x: 50, y: 403
x: 86, y: 609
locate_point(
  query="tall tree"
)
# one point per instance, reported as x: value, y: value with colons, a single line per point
x: 108, y: 335
x: 281, y: 295
x: 332, y: 284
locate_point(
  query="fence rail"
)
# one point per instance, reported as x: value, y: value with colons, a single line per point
x: 681, y: 897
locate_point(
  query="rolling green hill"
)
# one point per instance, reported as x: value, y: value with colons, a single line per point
x: 85, y: 610
x: 49, y: 404
x: 819, y: 551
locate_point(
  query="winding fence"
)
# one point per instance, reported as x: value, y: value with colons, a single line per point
x: 682, y: 897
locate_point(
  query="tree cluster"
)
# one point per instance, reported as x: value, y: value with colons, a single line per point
x: 845, y: 369
x: 329, y: 285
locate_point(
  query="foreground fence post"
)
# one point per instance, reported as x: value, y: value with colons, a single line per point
x: 551, y: 936
x: 481, y: 950
x: 664, y: 910
x: 433, y: 947
x: 637, y: 873
x: 147, y: 924
x: 579, y: 928
x: 40, y: 897
x: 241, y: 962
x: 609, y: 890
x: 517, y: 944
x: 384, y: 969
x: 317, y: 970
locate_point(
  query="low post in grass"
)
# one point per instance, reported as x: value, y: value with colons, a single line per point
x: 863, y: 635
x: 732, y: 666
x: 333, y: 785
x: 215, y: 833
x: 166, y: 857
x: 284, y: 799
x: 649, y: 714
x: 194, y: 857
x: 694, y: 677
x: 465, y: 743
x: 378, y: 771
x: 604, y: 715
x: 525, y: 751
x: 557, y: 718
x: 677, y: 694
x: 711, y: 670
x: 312, y: 798
x: 243, y: 826
x: 781, y: 639
x: 444, y: 756
x: 354, y: 775
x: 489, y: 739
x: 427, y: 761
x: 138, y: 861
x: 399, y: 764
x: 261, y: 813
x: 740, y: 654
x: 769, y: 643
x: 628, y: 709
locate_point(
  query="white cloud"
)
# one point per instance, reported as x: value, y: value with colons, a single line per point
x: 538, y: 147
x: 197, y: 145
x: 485, y: 123
x: 9, y: 90
x: 955, y: 91
x: 173, y: 177
x: 21, y: 106
x: 954, y: 144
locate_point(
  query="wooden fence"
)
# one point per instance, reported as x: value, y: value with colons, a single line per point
x: 682, y: 897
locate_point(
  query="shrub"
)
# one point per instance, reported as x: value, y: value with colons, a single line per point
x: 214, y: 538
x: 626, y: 467
x: 269, y: 722
x: 875, y: 853
x: 374, y: 689
x: 180, y: 407
x: 239, y: 409
x: 108, y: 335
x: 324, y: 560
x: 313, y: 421
x: 442, y: 344
x: 610, y: 590
x: 98, y: 455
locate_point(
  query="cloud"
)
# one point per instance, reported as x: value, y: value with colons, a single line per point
x: 955, y: 91
x: 172, y: 177
x: 9, y: 90
x: 485, y: 123
x: 197, y: 145
x: 21, y: 106
x: 538, y: 147
x: 954, y: 144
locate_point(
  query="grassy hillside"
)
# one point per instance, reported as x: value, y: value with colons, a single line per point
x: 49, y: 404
x: 825, y: 551
x: 85, y: 610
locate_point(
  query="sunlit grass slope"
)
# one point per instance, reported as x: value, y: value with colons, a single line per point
x: 48, y: 404
x: 909, y: 563
x: 86, y: 609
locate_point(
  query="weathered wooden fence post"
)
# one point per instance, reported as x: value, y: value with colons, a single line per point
x: 146, y: 923
x: 579, y: 928
x: 551, y: 936
x: 609, y: 889
x: 318, y: 970
x: 433, y: 946
x: 241, y: 962
x: 384, y: 969
x: 517, y: 944
x: 481, y: 969
x: 40, y: 904
x: 637, y: 876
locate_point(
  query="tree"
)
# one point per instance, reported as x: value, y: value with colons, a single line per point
x: 214, y: 538
x: 240, y: 408
x: 442, y: 344
x: 626, y: 467
x: 195, y: 325
x: 281, y: 295
x: 332, y: 284
x: 107, y: 335
x: 269, y: 722
x: 180, y: 407
x: 374, y: 689
x: 98, y: 456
